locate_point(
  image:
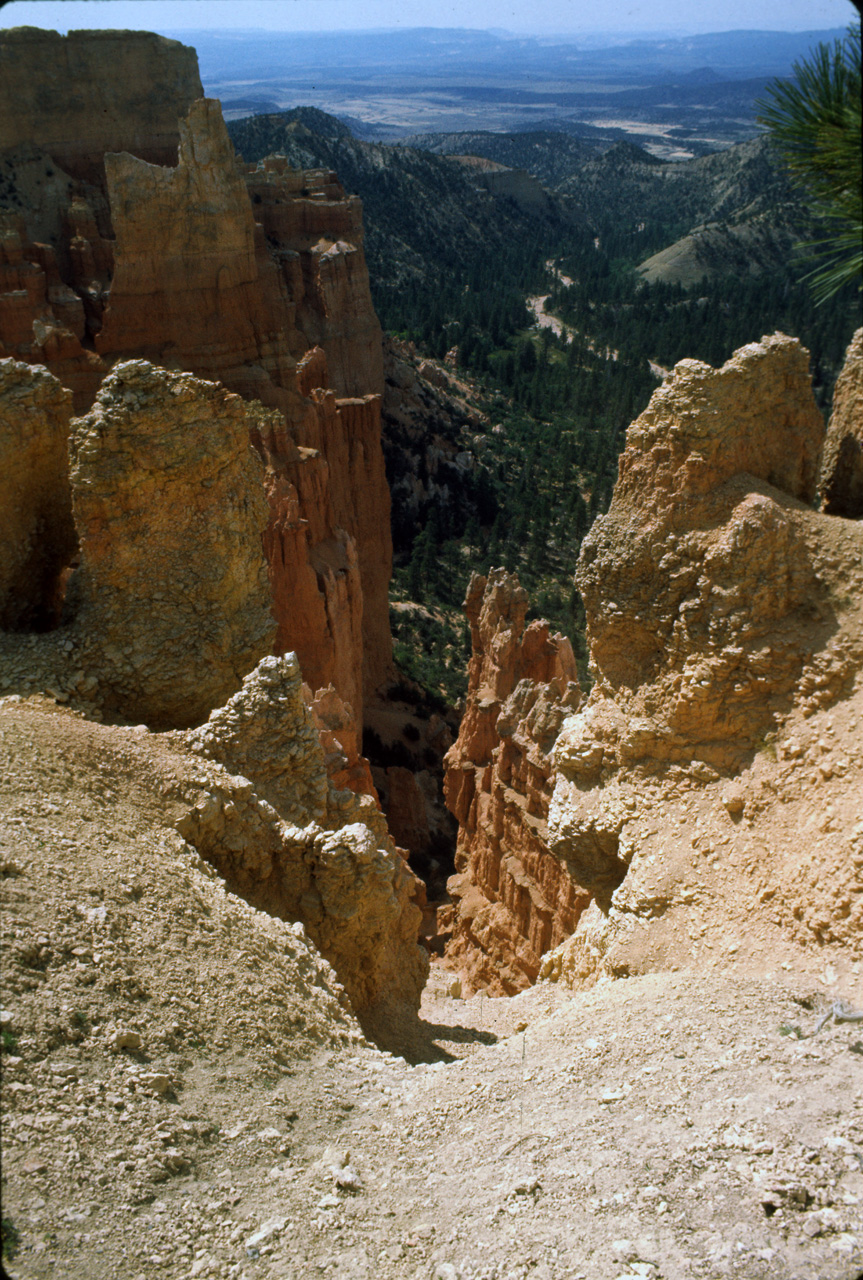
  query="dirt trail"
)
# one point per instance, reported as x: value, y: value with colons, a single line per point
x: 544, y: 319
x: 670, y: 1126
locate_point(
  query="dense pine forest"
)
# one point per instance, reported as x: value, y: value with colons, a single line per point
x: 561, y: 403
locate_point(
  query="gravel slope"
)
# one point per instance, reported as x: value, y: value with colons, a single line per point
x: 668, y: 1126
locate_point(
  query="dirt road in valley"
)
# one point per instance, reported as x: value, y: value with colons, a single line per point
x: 543, y: 318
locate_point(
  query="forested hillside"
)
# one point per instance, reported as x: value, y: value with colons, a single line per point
x: 550, y: 155
x: 429, y: 226
x: 657, y: 200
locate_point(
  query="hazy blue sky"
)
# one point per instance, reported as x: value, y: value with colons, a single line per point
x: 528, y: 16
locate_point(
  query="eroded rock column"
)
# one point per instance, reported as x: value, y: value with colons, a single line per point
x: 293, y: 845
x: 696, y: 795
x: 512, y: 899
x: 841, y: 479
x: 172, y: 587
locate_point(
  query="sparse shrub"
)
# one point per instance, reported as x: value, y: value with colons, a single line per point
x: 11, y: 1238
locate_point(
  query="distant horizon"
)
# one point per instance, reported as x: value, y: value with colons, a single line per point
x: 569, y: 20
x: 665, y: 33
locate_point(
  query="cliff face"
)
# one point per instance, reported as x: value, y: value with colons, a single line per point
x: 37, y: 533
x: 153, y: 242
x: 346, y: 434
x: 336, y: 724
x: 512, y: 899
x: 171, y: 589
x: 216, y: 296
x: 43, y: 319
x: 90, y: 92
x: 290, y: 844
x: 841, y: 479
x: 508, y: 184
x: 708, y: 793
x: 429, y: 429
x: 169, y: 608
x: 702, y: 663
x: 316, y: 234
x: 328, y: 542
x: 186, y: 286
x: 239, y: 273
x: 314, y: 571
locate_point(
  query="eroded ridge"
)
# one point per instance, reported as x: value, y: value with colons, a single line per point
x: 723, y: 617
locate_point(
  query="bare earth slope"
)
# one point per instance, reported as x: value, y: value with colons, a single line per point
x: 659, y: 1127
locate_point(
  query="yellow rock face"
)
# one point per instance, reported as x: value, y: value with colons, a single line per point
x: 708, y: 793
x: 172, y: 586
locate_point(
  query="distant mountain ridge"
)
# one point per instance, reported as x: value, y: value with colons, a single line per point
x: 423, y: 209
x: 731, y: 54
x: 409, y: 81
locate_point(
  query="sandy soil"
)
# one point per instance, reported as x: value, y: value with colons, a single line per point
x: 185, y: 1095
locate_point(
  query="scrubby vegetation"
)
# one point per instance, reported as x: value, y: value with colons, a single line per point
x: 815, y: 119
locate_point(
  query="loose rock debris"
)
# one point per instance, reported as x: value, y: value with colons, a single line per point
x: 186, y: 1095
x: 839, y: 1011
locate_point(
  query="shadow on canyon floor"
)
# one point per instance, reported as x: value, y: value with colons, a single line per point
x: 417, y: 1040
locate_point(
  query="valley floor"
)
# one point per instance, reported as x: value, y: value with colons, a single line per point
x: 670, y: 1126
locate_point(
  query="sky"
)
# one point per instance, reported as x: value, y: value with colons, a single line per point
x: 533, y: 17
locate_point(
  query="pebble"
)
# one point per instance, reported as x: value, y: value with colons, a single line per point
x: 268, y: 1229
x: 125, y: 1039
x: 348, y: 1179
x: 158, y: 1081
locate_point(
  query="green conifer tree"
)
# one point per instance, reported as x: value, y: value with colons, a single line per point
x: 815, y: 119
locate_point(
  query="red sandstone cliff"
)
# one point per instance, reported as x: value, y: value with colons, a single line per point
x: 154, y: 242
x: 337, y: 731
x: 37, y: 531
x: 513, y: 900
x: 45, y: 318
